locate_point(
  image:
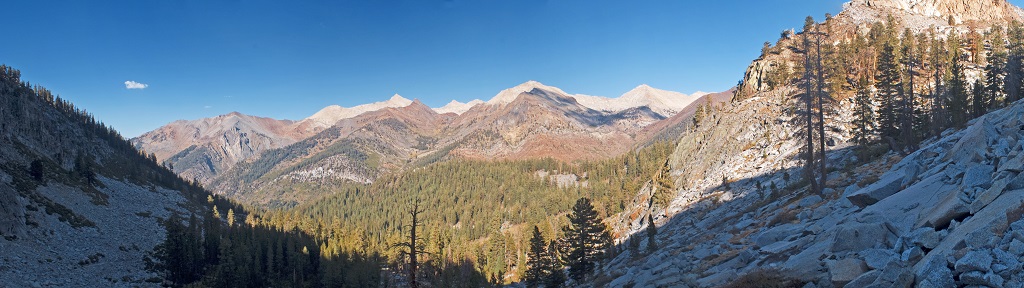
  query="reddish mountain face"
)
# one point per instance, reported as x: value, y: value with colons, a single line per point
x: 200, y: 149
x: 249, y: 156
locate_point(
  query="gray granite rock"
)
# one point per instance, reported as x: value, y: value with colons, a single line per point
x: 861, y: 236
x: 934, y: 273
x: 878, y: 258
x: 885, y: 187
x: 845, y: 270
x: 975, y: 260
x: 864, y: 279
x: 978, y: 176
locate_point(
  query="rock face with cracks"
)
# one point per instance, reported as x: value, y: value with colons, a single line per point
x: 957, y: 221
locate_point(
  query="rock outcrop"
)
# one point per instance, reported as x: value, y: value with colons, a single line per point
x: 984, y: 11
x: 949, y: 214
x: 202, y: 149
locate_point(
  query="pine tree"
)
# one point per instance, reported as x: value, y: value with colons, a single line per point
x: 908, y: 100
x: 995, y: 72
x: 539, y: 265
x: 938, y: 114
x: 412, y: 246
x: 35, y: 169
x: 556, y: 278
x: 978, y: 106
x: 652, y: 233
x: 231, y: 217
x: 1013, y: 83
x: 808, y: 98
x: 889, y: 90
x: 864, y: 113
x: 587, y: 239
x: 823, y: 100
x: 957, y: 93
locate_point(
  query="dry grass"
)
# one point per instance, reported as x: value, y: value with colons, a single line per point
x: 764, y: 279
x: 788, y: 216
x: 1015, y: 214
x: 721, y: 258
x: 737, y: 238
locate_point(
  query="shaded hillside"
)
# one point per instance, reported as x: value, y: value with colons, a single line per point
x: 80, y: 207
x: 77, y: 197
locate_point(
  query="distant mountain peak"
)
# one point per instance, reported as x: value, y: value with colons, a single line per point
x: 666, y: 103
x: 508, y: 95
x: 458, y: 107
x: 397, y: 99
x: 332, y: 114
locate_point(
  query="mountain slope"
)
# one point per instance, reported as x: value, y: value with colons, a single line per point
x: 458, y: 107
x: 544, y: 122
x: 740, y: 212
x: 201, y: 149
x: 540, y: 122
x: 80, y: 206
x: 666, y: 103
x: 330, y: 115
x: 355, y: 150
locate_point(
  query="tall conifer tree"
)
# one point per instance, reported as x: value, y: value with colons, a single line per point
x: 587, y: 239
x: 539, y: 265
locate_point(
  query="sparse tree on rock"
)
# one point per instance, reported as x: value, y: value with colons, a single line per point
x: 652, y: 233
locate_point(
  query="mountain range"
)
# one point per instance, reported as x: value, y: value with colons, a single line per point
x: 530, y: 120
x: 719, y: 201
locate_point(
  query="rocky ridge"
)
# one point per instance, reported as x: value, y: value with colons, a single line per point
x: 920, y: 16
x: 201, y: 149
x: 330, y: 115
x: 943, y: 216
x: 947, y: 214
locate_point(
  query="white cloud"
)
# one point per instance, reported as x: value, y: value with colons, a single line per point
x: 207, y: 107
x: 134, y: 85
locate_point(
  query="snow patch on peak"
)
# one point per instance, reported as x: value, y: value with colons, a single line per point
x: 666, y: 103
x: 397, y: 99
x: 699, y: 94
x: 458, y: 107
x: 332, y: 114
x: 508, y: 95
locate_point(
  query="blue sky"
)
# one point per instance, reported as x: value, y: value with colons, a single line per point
x: 288, y: 59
